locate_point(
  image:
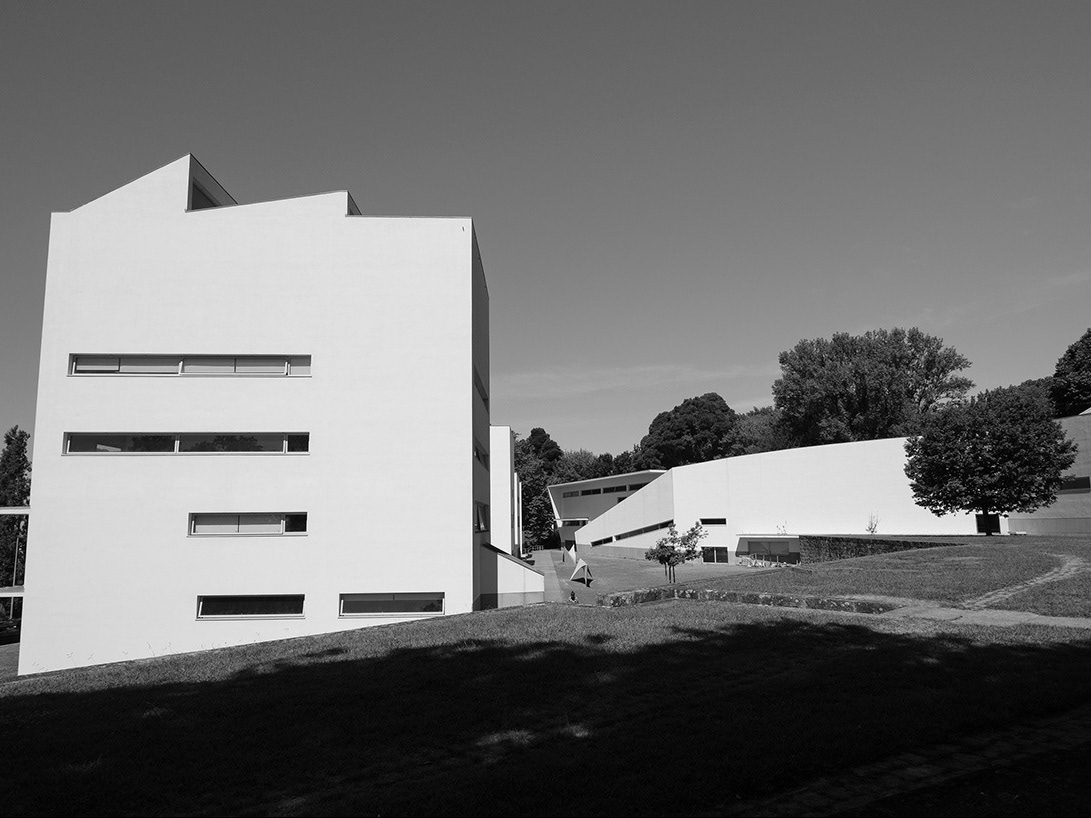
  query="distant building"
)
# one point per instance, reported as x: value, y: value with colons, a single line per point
x: 758, y: 505
x: 576, y: 504
x: 255, y: 422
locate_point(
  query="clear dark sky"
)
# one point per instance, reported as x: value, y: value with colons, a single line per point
x: 666, y: 194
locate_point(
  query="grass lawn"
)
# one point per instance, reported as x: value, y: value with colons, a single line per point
x: 945, y: 575
x: 662, y: 709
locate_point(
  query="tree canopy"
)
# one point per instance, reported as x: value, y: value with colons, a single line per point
x: 544, y: 448
x: 864, y: 387
x: 537, y: 510
x: 999, y: 452
x: 676, y: 549
x: 14, y: 491
x: 697, y: 430
x: 1071, y: 385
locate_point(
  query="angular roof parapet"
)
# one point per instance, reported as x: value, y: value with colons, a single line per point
x: 182, y: 185
x: 185, y: 185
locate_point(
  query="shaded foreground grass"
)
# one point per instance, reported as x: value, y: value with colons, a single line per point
x: 947, y: 575
x: 672, y: 708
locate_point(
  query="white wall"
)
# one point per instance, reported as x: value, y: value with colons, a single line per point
x: 505, y: 534
x: 831, y: 489
x: 383, y: 306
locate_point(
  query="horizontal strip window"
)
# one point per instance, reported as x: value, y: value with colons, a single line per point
x: 267, y: 365
x: 636, y: 486
x: 1075, y: 485
x: 613, y: 489
x: 247, y: 524
x: 241, y: 607
x: 636, y: 532
x: 571, y: 494
x: 575, y: 521
x: 585, y: 492
x: 714, y: 521
x: 387, y: 604
x: 602, y: 541
x: 187, y: 443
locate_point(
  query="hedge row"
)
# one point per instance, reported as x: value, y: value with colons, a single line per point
x: 747, y: 597
x: 826, y: 549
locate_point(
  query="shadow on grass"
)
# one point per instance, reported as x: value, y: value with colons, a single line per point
x: 489, y: 726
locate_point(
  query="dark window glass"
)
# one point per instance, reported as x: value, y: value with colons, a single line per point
x: 1075, y: 485
x: 635, y: 486
x: 251, y: 605
x: 391, y: 603
x: 260, y: 442
x: 714, y: 521
x: 571, y: 494
x: 591, y: 491
x: 295, y: 523
x: 988, y: 523
x: 114, y: 444
x: 298, y: 443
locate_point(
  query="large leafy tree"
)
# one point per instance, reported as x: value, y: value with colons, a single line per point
x: 864, y: 387
x: 14, y: 491
x: 698, y: 429
x: 761, y: 430
x: 544, y: 448
x: 1071, y: 385
x: 580, y: 464
x: 999, y: 452
x: 537, y: 510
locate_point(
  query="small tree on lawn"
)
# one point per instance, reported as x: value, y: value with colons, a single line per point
x: 675, y: 549
x: 999, y: 452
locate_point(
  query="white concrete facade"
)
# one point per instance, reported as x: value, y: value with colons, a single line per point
x: 387, y: 319
x: 775, y: 496
x: 576, y: 503
x: 506, y: 493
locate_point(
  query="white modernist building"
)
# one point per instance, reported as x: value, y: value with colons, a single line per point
x: 255, y: 422
x: 577, y: 503
x: 758, y: 505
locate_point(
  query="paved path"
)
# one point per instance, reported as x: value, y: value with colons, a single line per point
x: 610, y: 574
x: 1069, y: 568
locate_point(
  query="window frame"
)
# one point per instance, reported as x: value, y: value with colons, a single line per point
x: 192, y: 523
x: 285, y: 449
x: 231, y: 617
x: 290, y: 363
x: 341, y: 598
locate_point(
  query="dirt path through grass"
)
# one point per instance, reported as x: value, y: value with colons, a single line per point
x: 1070, y: 566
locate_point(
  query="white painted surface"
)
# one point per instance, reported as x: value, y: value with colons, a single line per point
x: 393, y: 312
x: 831, y: 489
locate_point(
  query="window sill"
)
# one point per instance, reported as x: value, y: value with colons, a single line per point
x: 249, y: 617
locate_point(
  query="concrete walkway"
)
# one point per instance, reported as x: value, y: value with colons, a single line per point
x: 611, y: 574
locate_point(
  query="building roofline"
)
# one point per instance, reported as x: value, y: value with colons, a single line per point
x: 656, y: 472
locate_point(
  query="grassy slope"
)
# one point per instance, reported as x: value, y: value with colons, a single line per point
x: 946, y: 575
x: 668, y: 708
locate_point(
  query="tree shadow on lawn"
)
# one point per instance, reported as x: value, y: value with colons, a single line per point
x: 495, y: 726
